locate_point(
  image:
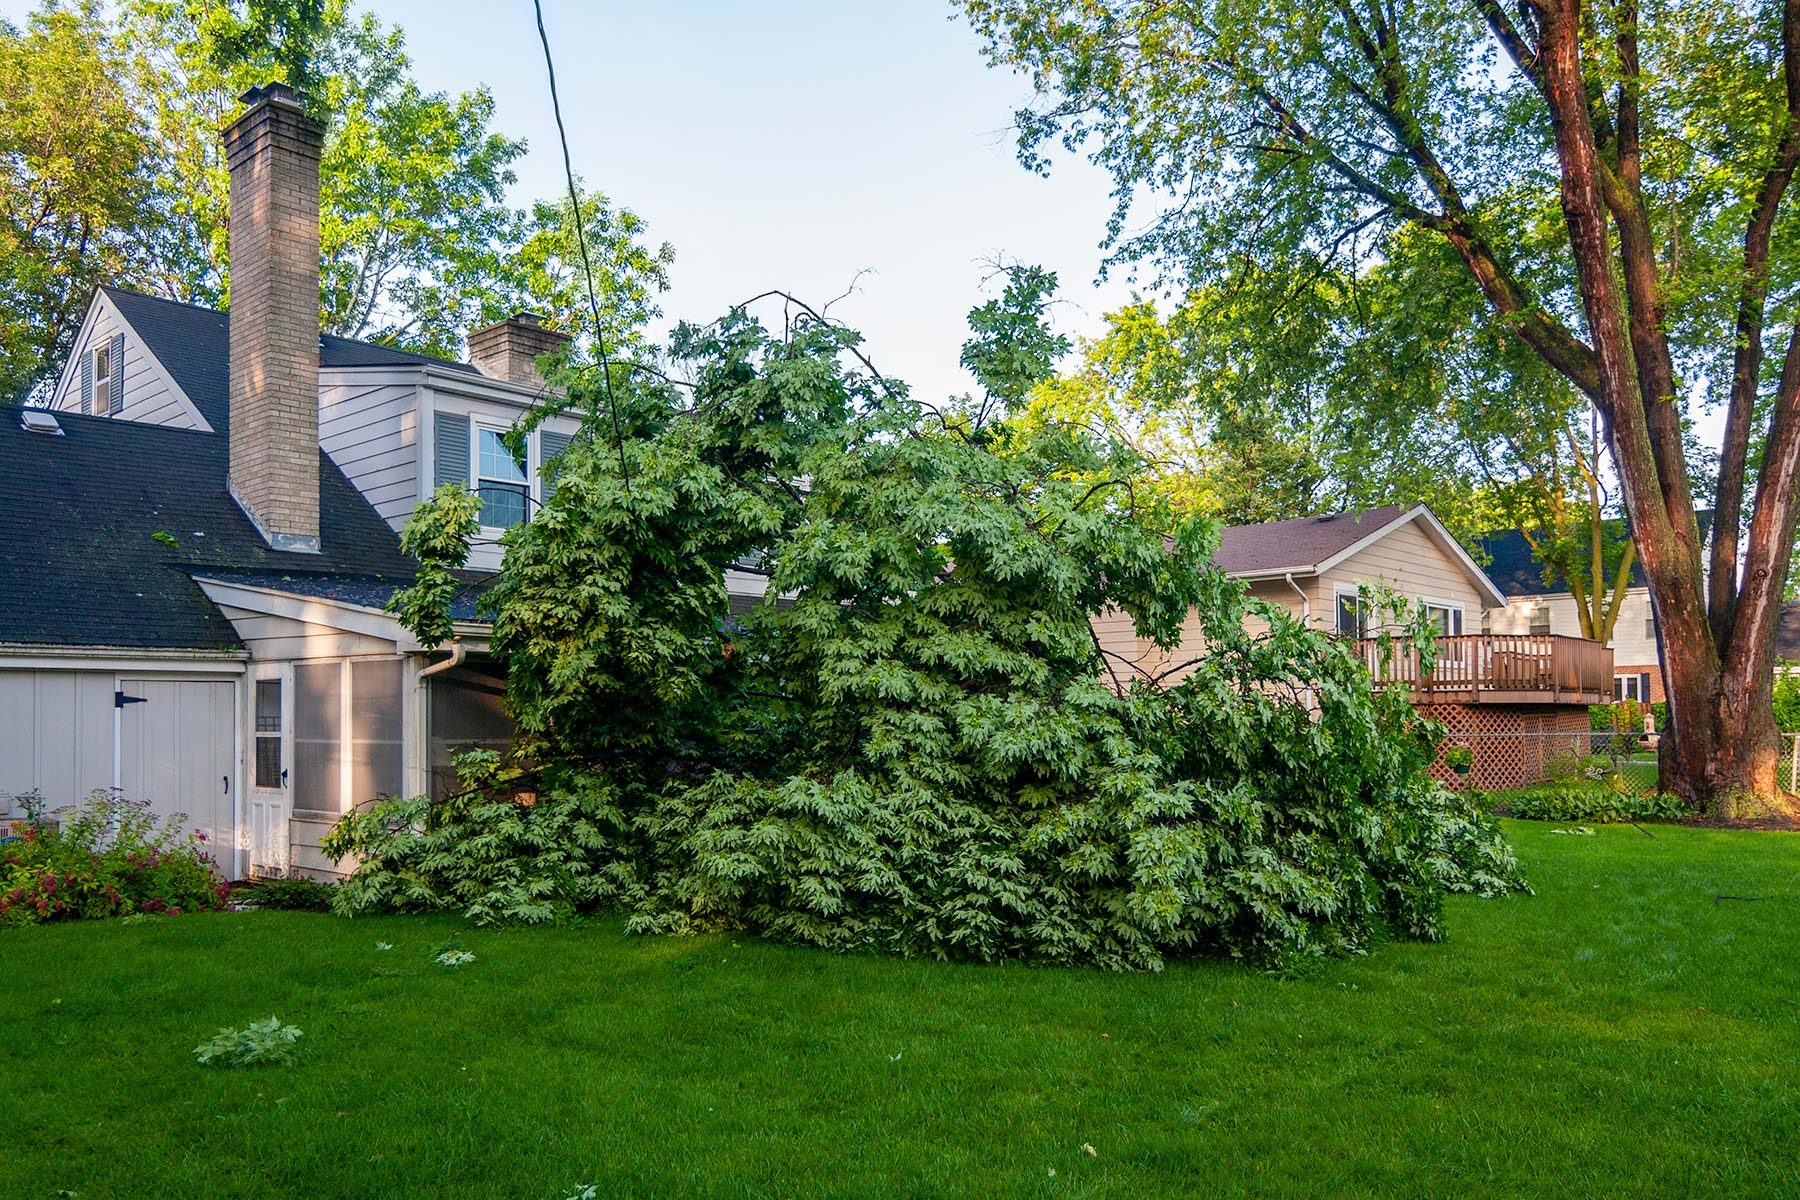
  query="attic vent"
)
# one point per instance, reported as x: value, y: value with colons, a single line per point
x: 38, y: 420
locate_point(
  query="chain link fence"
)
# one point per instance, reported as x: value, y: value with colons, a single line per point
x: 1625, y: 763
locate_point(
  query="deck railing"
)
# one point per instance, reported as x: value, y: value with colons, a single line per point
x: 1497, y: 667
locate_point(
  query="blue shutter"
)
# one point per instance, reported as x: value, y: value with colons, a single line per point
x: 549, y: 446
x: 87, y: 380
x: 1644, y: 687
x: 115, y: 403
x: 450, y: 448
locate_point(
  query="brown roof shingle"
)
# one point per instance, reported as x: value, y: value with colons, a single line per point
x: 1301, y: 543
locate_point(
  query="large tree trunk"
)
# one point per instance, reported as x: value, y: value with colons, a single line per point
x: 1721, y: 747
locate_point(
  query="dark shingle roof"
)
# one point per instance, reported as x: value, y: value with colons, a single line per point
x: 82, y: 565
x: 194, y: 345
x: 1300, y: 543
x: 366, y: 591
x: 1517, y: 572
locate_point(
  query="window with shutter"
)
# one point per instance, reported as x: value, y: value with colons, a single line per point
x: 115, y: 397
x: 450, y: 449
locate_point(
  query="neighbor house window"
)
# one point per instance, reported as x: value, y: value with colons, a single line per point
x: 1352, y: 615
x: 500, y: 480
x: 1632, y: 687
x: 348, y: 734
x: 100, y: 398
x: 1649, y: 620
x: 1540, y: 620
x: 1446, y: 619
x: 268, y: 733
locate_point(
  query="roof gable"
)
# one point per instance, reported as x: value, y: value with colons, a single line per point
x: 193, y: 344
x: 1313, y: 545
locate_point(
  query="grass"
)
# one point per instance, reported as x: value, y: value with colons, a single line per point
x: 1621, y: 1033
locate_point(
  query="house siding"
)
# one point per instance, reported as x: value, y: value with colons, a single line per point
x: 369, y: 424
x: 150, y: 396
x: 1410, y: 562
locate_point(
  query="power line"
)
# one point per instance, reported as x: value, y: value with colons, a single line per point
x: 587, y: 267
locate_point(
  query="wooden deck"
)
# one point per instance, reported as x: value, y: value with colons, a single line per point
x: 1501, y: 669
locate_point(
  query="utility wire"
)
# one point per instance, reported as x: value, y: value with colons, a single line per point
x: 587, y: 267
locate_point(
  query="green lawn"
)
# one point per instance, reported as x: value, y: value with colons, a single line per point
x: 1619, y: 1033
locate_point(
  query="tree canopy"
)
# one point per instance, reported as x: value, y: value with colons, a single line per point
x: 1609, y: 181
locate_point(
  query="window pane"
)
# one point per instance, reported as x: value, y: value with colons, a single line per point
x: 497, y: 461
x: 376, y: 724
x: 1347, y: 623
x: 318, y: 737
x: 268, y: 706
x: 268, y: 762
x: 502, y: 504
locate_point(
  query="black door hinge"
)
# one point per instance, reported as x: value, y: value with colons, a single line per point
x: 120, y: 699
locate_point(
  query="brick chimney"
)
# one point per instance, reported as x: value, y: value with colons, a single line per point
x: 510, y: 349
x: 272, y: 150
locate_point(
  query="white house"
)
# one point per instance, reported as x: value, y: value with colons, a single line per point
x: 192, y: 602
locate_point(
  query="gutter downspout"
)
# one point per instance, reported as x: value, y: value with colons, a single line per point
x: 458, y: 652
x: 1305, y: 600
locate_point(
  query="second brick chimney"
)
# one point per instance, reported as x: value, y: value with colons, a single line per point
x: 272, y: 151
x: 510, y: 349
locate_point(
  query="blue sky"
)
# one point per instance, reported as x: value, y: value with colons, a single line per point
x: 790, y: 144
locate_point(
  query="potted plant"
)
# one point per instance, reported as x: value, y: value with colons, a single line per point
x: 1459, y: 759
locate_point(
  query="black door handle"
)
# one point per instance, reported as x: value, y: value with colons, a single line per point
x: 226, y: 780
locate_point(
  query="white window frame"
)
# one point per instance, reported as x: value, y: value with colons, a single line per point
x: 1531, y: 621
x: 1353, y: 594
x: 477, y: 424
x: 100, y: 386
x: 1627, y: 684
x: 1456, y: 622
x: 346, y: 767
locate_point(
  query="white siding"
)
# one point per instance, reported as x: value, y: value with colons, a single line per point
x: 150, y: 395
x: 369, y: 424
x: 271, y: 639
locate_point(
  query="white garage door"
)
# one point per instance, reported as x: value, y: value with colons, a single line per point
x: 177, y: 745
x: 56, y: 734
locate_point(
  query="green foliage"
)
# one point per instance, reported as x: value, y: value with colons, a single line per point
x: 1786, y: 699
x: 915, y: 744
x: 263, y: 1043
x: 291, y: 895
x: 438, y: 535
x: 495, y: 851
x: 1600, y: 801
x: 418, y: 242
x: 75, y: 164
x: 106, y: 858
x: 1459, y: 757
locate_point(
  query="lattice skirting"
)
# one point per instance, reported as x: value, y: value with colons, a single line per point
x: 1513, y: 745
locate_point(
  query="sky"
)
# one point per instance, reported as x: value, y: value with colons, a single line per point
x: 790, y: 144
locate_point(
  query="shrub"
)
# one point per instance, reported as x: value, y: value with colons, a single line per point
x: 293, y: 895
x: 258, y: 1044
x: 1787, y: 698
x: 1589, y: 800
x: 108, y: 858
x: 483, y: 851
x: 1459, y: 758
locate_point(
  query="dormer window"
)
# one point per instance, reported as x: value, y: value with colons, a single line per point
x: 500, y: 481
x: 100, y: 398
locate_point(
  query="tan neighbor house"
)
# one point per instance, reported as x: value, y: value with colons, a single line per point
x: 1501, y: 694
